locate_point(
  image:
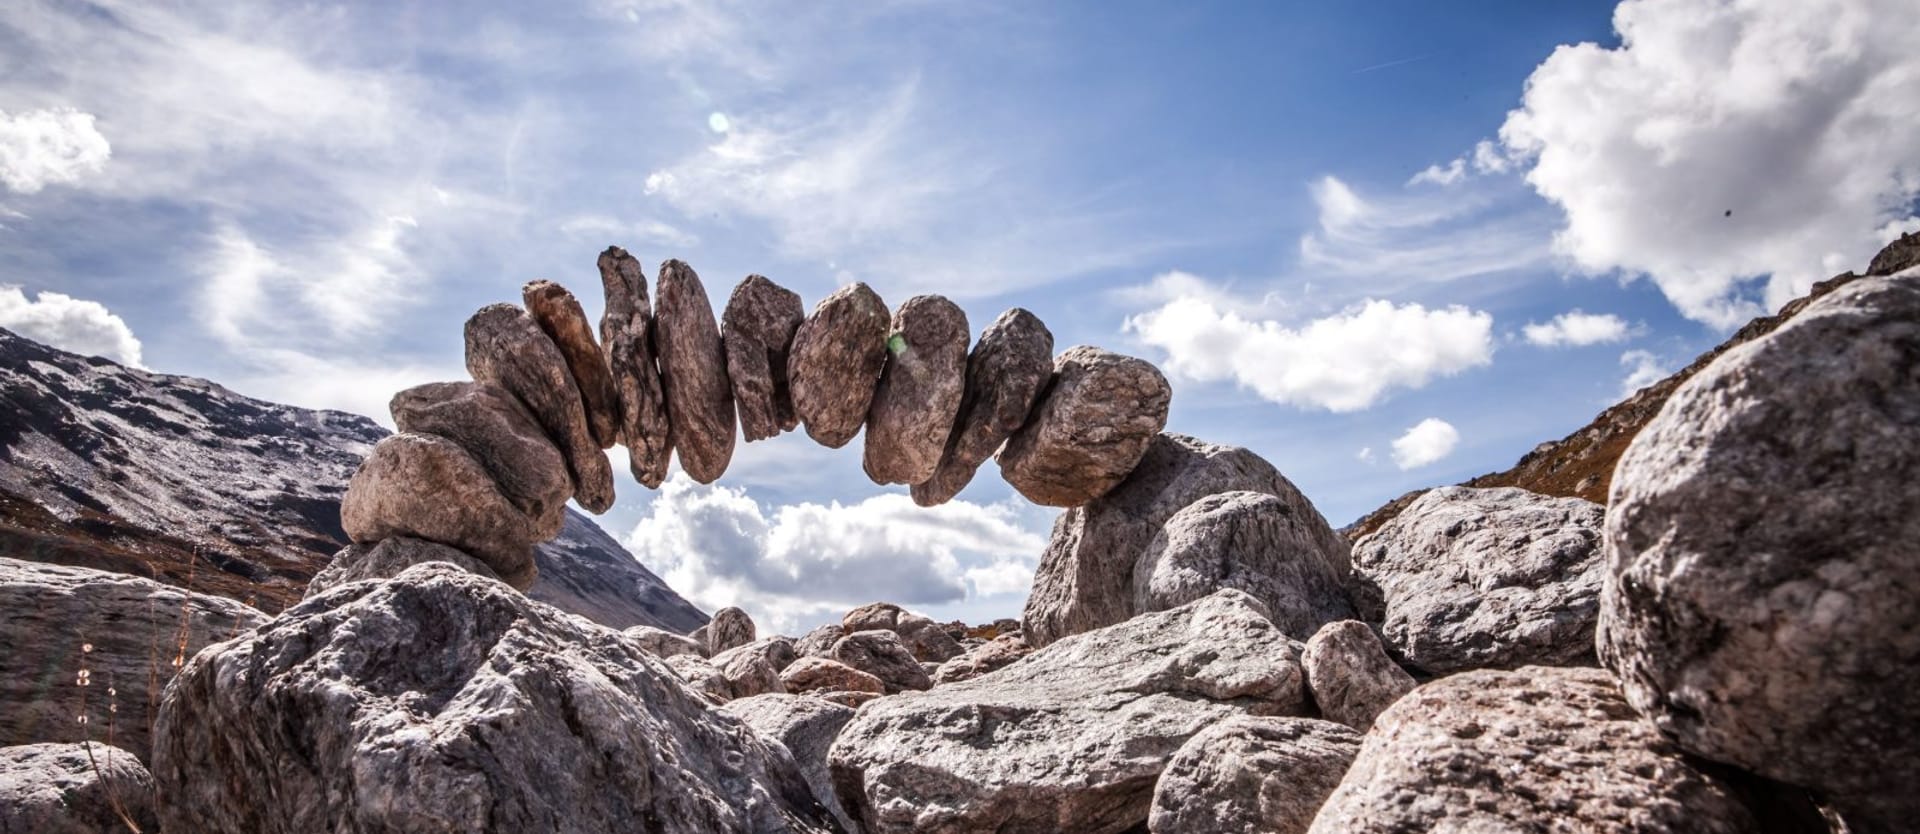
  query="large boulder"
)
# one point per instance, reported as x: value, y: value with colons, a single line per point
x: 1763, y: 556
x: 1350, y: 675
x: 693, y: 373
x: 757, y: 329
x: 730, y: 628
x: 1085, y: 578
x: 506, y: 347
x: 1252, y: 775
x: 807, y: 727
x: 502, y: 435
x: 818, y: 642
x: 626, y: 334
x: 882, y: 655
x: 926, y: 639
x: 919, y: 391
x: 838, y: 354
x: 1247, y: 540
x: 73, y: 789
x: 426, y: 487
x: 1006, y: 373
x: 1090, y: 428
x: 438, y: 701
x: 559, y: 315
x: 1072, y: 737
x: 754, y: 669
x: 1537, y: 749
x: 1468, y: 578
x: 388, y: 558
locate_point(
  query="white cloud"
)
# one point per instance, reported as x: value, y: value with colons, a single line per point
x: 1365, y: 456
x: 1425, y: 443
x: 1576, y: 328
x: 796, y: 564
x: 43, y: 147
x: 71, y: 324
x: 1643, y: 369
x: 1344, y: 362
x: 1454, y: 172
x: 1800, y: 117
x: 1420, y: 237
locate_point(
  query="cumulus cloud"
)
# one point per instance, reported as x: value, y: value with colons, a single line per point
x: 42, y: 147
x: 1723, y: 143
x: 1643, y: 369
x: 1576, y: 328
x: 68, y: 323
x: 1425, y: 443
x: 1344, y: 362
x: 793, y: 565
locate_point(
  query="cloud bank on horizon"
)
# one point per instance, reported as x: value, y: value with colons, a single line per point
x: 305, y: 202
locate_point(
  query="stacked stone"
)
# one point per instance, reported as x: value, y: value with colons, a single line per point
x: 487, y: 466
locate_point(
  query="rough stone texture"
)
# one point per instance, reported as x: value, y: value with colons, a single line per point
x: 701, y: 676
x: 1252, y: 775
x: 1469, y: 578
x: 1901, y: 254
x: 693, y: 373
x: 389, y: 558
x: 1762, y: 562
x: 626, y: 334
x: 427, y: 487
x: 748, y: 673
x: 838, y: 354
x: 730, y: 628
x: 845, y: 698
x: 1072, y: 737
x: 926, y: 639
x: 1350, y: 675
x: 989, y: 656
x: 441, y: 702
x: 1247, y: 540
x: 807, y: 726
x: 1085, y: 577
x: 1537, y: 749
x: 1091, y: 427
x: 818, y: 642
x: 505, y: 347
x: 502, y: 435
x: 559, y: 315
x: 757, y: 329
x: 73, y: 789
x: 1006, y: 373
x: 817, y: 674
x: 882, y: 655
x: 919, y: 391
x: 661, y: 643
x: 134, y: 626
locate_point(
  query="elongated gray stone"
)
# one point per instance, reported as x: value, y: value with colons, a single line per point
x: 502, y: 435
x: 919, y: 391
x: 626, y: 334
x: 1006, y: 373
x: 838, y: 354
x: 559, y: 315
x: 505, y: 347
x: 1092, y: 425
x: 693, y: 373
x: 757, y: 329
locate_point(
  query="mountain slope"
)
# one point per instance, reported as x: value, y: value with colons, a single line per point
x: 182, y: 480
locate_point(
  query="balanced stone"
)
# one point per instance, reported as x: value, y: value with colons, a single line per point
x: 498, y: 431
x: 693, y: 372
x: 757, y: 329
x: 730, y: 628
x: 1090, y: 428
x: 1006, y: 373
x: 919, y: 391
x: 838, y: 354
x: 505, y: 347
x: 559, y: 315
x: 626, y: 334
x: 429, y: 488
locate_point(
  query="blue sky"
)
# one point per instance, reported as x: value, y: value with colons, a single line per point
x: 1332, y: 225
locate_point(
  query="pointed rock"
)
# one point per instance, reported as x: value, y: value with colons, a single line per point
x: 498, y: 431
x: 838, y: 354
x: 693, y: 373
x: 757, y: 329
x: 559, y: 315
x: 505, y: 347
x: 626, y: 334
x: 1092, y: 425
x: 427, y: 487
x: 919, y: 391
x: 1006, y: 373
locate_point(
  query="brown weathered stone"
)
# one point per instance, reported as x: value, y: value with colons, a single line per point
x: 730, y: 628
x: 427, y: 487
x: 757, y: 330
x: 498, y: 431
x: 882, y: 655
x: 626, y: 334
x: 559, y: 315
x: 1090, y: 428
x: 919, y: 391
x: 693, y: 372
x: 811, y: 674
x: 505, y: 347
x: 838, y: 354
x: 1006, y: 373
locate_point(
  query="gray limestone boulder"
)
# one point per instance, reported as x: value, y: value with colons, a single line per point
x: 757, y: 329
x: 1091, y: 427
x: 1252, y: 775
x: 882, y: 655
x: 838, y: 354
x: 1006, y: 373
x: 626, y: 334
x: 729, y: 628
x: 438, y: 701
x: 502, y: 435
x: 74, y: 789
x: 1763, y: 556
x: 807, y: 727
x: 1350, y: 675
x: 919, y: 391
x: 693, y: 373
x: 1247, y: 540
x: 426, y: 487
x: 388, y: 558
x: 507, y: 348
x: 1469, y: 578
x: 559, y: 315
x: 1071, y: 738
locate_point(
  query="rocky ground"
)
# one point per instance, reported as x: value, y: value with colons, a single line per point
x: 1727, y: 642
